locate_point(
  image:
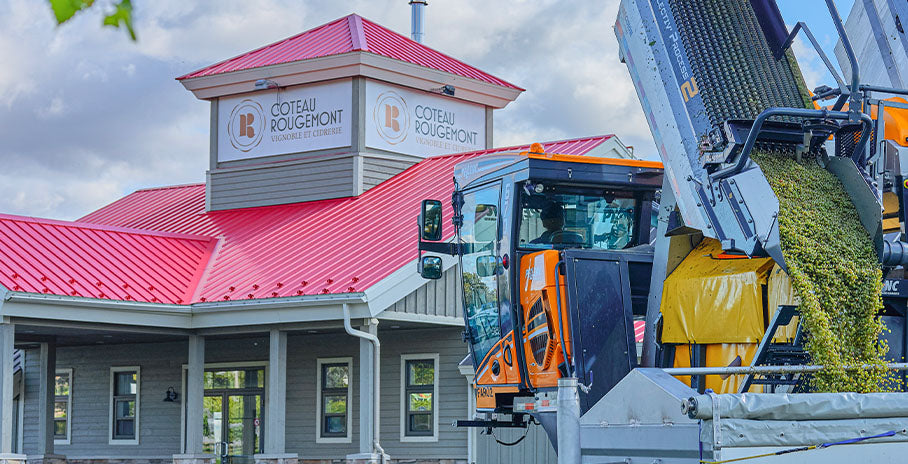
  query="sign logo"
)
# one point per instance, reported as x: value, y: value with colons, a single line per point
x: 246, y: 125
x: 391, y: 117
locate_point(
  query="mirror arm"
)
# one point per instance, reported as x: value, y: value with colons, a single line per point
x: 435, y: 247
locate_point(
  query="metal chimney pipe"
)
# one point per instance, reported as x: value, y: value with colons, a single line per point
x: 417, y: 10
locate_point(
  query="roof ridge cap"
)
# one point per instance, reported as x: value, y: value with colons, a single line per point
x: 357, y: 34
x: 169, y: 187
x: 102, y: 227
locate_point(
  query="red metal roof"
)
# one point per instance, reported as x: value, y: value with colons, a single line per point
x: 348, y: 34
x: 330, y: 246
x: 639, y: 329
x: 77, y: 259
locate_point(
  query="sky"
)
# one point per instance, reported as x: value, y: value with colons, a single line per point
x: 87, y: 116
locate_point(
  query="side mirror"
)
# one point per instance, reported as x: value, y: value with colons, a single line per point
x: 486, y: 265
x: 430, y: 267
x: 430, y: 220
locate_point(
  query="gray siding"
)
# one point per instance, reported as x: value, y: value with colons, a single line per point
x: 161, y: 367
x: 452, y: 392
x: 286, y: 182
x: 378, y: 170
x: 440, y: 297
x: 534, y: 449
x: 159, y: 422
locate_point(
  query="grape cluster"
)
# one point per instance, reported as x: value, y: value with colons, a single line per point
x: 834, y: 269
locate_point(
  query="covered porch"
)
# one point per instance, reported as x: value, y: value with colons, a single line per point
x: 231, y: 384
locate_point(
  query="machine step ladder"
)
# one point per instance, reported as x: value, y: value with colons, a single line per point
x: 779, y: 354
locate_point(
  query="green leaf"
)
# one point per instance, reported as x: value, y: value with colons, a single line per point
x: 122, y: 16
x: 65, y: 9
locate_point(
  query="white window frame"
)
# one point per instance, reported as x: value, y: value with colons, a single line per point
x: 318, y: 400
x: 110, y: 423
x: 404, y: 438
x: 69, y: 407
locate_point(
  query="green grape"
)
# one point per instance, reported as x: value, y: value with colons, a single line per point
x: 834, y: 270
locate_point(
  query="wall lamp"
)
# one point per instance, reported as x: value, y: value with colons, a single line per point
x: 445, y: 90
x: 265, y: 84
x: 171, y: 395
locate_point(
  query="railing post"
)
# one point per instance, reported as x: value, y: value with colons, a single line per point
x: 568, y: 417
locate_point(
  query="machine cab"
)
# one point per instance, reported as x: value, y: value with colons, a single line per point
x: 516, y: 215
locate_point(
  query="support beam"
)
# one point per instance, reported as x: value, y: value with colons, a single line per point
x: 195, y: 395
x: 7, y: 339
x: 47, y: 373
x: 366, y: 393
x: 276, y: 403
x: 276, y: 416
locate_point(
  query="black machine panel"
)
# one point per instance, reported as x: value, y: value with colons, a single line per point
x: 600, y: 298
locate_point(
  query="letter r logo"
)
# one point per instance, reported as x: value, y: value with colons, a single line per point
x: 391, y: 115
x: 246, y: 129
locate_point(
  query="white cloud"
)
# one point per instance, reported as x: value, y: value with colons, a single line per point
x: 89, y: 116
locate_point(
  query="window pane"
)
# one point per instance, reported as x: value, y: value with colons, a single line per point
x: 60, y: 428
x: 336, y: 425
x: 421, y: 402
x: 125, y: 409
x: 421, y: 372
x: 248, y: 378
x: 60, y: 410
x: 61, y: 387
x: 125, y: 383
x: 335, y: 375
x: 421, y: 422
x: 335, y: 404
x: 125, y: 429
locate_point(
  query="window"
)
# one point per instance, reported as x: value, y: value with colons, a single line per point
x: 124, y: 405
x: 419, y: 396
x: 62, y: 405
x: 562, y: 217
x: 479, y: 238
x: 334, y: 398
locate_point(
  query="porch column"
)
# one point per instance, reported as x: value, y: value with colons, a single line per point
x: 276, y: 403
x: 366, y: 393
x: 7, y: 339
x: 47, y: 374
x: 195, y: 395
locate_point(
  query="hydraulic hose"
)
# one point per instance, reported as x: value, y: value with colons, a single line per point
x: 567, y: 363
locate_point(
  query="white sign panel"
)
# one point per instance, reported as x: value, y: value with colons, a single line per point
x: 291, y: 120
x: 421, y: 123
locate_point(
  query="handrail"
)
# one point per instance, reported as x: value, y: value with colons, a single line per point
x: 796, y: 369
x: 744, y: 157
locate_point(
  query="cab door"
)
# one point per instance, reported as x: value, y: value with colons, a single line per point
x: 493, y: 351
x: 479, y: 239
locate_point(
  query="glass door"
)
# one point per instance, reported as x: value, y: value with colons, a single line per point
x: 232, y: 422
x: 243, y: 429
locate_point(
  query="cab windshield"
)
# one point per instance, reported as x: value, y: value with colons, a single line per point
x: 563, y: 217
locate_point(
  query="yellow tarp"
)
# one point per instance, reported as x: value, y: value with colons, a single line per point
x: 780, y: 292
x: 712, y: 300
x: 720, y: 355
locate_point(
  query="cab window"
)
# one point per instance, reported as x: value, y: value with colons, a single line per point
x: 479, y: 237
x: 577, y: 218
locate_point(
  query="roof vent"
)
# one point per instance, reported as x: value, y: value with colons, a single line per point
x: 417, y: 10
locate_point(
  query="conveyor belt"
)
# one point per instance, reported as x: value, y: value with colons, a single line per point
x: 735, y: 70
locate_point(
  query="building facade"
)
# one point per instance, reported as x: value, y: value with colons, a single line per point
x: 273, y: 314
